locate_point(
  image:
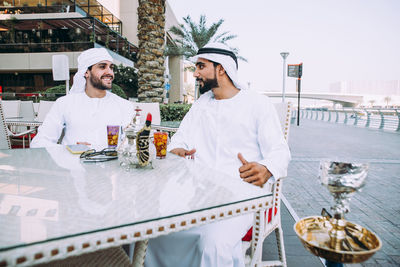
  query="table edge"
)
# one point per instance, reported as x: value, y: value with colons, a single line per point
x: 85, y: 243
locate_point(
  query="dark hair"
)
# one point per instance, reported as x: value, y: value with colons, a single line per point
x: 90, y: 68
x: 216, y: 64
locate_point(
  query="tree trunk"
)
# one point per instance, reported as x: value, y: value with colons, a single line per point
x: 151, y: 35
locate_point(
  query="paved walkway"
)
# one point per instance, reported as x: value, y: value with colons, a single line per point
x: 296, y: 254
x: 377, y: 207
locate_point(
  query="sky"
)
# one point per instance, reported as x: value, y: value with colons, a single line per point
x: 336, y: 40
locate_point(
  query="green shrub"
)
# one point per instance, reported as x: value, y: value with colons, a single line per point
x: 127, y: 78
x: 116, y: 89
x: 52, y: 93
x: 174, y: 112
x: 55, y: 92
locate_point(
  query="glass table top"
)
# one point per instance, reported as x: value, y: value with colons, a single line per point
x: 48, y: 194
x: 24, y: 120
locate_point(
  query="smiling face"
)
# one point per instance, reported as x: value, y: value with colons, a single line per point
x: 100, y: 75
x: 205, y: 73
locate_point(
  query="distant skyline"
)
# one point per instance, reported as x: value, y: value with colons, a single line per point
x: 341, y: 40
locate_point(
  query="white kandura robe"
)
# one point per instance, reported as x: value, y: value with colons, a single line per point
x: 219, y: 130
x: 85, y: 119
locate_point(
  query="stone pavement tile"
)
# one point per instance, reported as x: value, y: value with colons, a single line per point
x: 396, y: 259
x: 377, y: 206
x: 353, y: 265
x: 296, y: 254
x: 302, y: 261
x: 323, y: 140
x: 388, y: 263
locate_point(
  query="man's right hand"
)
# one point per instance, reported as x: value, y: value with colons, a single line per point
x: 183, y: 152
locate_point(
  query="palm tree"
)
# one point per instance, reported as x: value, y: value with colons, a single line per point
x: 192, y: 37
x: 151, y: 35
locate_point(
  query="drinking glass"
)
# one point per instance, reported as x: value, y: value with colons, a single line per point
x: 112, y: 135
x: 160, y: 142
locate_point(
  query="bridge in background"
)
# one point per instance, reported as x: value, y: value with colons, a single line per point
x: 344, y: 100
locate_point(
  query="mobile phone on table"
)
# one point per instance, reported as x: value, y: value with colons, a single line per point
x: 77, y: 149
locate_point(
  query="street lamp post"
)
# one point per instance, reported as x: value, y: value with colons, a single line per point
x: 284, y: 56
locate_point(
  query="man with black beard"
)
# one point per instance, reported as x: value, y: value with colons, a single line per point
x: 89, y: 107
x: 207, y: 84
x: 233, y: 130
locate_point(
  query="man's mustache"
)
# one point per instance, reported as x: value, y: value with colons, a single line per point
x: 199, y: 80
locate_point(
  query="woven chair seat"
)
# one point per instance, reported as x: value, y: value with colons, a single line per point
x: 107, y: 257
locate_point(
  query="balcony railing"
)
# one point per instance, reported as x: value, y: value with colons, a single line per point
x: 35, y: 97
x: 91, y: 8
x: 37, y: 9
x: 45, y: 47
x: 61, y: 35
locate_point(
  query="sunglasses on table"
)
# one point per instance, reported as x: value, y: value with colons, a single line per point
x: 92, y: 155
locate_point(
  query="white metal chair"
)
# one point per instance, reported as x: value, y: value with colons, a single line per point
x: 27, y: 112
x: 267, y: 221
x: 4, y: 138
x: 11, y: 108
x: 44, y: 108
x: 283, y: 109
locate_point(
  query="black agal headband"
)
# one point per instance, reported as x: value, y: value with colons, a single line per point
x: 210, y: 50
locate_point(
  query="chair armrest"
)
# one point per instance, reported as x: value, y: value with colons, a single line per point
x: 20, y: 134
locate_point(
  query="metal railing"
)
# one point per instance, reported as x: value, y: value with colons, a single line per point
x: 34, y: 96
x: 45, y: 47
x: 375, y: 118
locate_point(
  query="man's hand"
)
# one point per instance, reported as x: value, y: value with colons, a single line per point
x: 183, y: 152
x: 253, y: 172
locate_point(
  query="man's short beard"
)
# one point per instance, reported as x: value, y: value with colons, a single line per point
x: 208, y: 84
x: 96, y: 83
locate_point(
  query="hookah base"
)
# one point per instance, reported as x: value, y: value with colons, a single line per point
x: 358, y: 244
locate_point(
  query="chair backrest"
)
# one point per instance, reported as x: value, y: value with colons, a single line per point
x: 44, y: 108
x: 4, y: 138
x: 153, y: 108
x: 283, y: 109
x: 26, y: 110
x: 11, y: 108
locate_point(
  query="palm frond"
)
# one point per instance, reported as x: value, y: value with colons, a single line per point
x: 193, y: 36
x: 227, y: 38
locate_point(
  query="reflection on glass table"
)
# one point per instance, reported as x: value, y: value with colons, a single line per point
x: 49, y: 200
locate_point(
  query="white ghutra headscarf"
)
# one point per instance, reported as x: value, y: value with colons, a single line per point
x: 222, y: 54
x: 85, y: 60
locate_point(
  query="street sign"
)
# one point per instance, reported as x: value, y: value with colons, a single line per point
x: 60, y: 67
x: 295, y: 70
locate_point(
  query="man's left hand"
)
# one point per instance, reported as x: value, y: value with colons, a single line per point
x: 253, y: 172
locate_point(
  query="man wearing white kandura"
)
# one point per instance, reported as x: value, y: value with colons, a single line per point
x: 233, y: 130
x: 89, y: 107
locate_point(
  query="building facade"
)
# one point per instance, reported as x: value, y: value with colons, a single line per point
x: 32, y: 31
